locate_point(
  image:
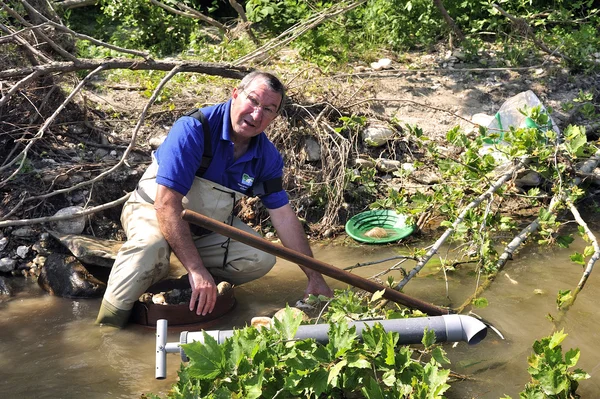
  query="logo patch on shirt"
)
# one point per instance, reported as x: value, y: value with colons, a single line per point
x: 247, y: 180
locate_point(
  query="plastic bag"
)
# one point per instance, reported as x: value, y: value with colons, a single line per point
x: 508, y: 115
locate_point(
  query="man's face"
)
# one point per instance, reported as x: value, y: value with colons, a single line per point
x: 253, y: 108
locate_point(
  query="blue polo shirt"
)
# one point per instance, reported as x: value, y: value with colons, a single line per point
x: 180, y: 155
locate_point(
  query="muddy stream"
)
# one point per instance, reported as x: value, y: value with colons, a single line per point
x: 50, y: 347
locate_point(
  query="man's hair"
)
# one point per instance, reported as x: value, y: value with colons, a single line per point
x: 270, y: 80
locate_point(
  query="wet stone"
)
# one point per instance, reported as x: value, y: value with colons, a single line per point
x: 5, y: 287
x: 24, y: 232
x: 65, y: 276
x: 7, y: 265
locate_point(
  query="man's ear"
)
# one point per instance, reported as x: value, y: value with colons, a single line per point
x: 235, y: 93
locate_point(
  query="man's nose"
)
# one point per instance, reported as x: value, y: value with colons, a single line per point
x: 256, y: 112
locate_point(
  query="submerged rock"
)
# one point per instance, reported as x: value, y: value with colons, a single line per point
x: 65, y: 276
x: 5, y: 287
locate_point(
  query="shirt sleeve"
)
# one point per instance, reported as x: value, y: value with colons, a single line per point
x: 180, y: 155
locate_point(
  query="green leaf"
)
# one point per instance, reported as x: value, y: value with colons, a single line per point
x: 372, y: 390
x: 579, y: 375
x: 439, y: 355
x: 572, y: 357
x: 428, y: 338
x: 553, y: 382
x: 564, y: 296
x: 564, y: 241
x: 556, y: 339
x: 480, y: 302
x: 377, y: 296
x: 207, y: 360
x: 359, y: 361
x: 253, y: 386
x: 578, y: 258
x: 545, y: 215
x: 389, y: 378
x: 446, y: 223
x: 335, y: 371
x: 341, y: 338
x: 288, y: 325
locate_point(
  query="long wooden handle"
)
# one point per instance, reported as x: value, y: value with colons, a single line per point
x: 311, y: 263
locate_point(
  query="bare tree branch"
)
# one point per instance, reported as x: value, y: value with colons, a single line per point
x: 23, y: 155
x: 38, y: 31
x: 191, y: 13
x: 594, y: 258
x: 449, y: 20
x: 18, y: 85
x: 85, y: 212
x: 246, y: 24
x: 214, y: 69
x: 523, y: 25
x: 488, y: 193
x: 88, y: 38
x: 69, y: 4
x: 298, y: 30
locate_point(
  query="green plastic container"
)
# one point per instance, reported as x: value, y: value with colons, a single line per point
x: 394, y: 224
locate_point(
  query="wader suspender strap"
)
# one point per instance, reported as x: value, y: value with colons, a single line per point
x: 207, y: 155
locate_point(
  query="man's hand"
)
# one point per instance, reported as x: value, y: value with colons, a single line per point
x: 292, y: 236
x: 177, y: 233
x: 204, y: 290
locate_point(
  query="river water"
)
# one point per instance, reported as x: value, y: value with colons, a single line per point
x: 50, y: 347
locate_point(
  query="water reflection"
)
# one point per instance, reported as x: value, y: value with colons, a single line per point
x: 51, y: 349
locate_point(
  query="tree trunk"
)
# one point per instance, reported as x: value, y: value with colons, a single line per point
x: 449, y: 20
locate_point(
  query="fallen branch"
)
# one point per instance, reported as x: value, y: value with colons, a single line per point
x: 23, y: 155
x: 207, y: 68
x: 18, y: 85
x: 47, y: 219
x: 593, y: 259
x: 587, y: 167
x: 139, y: 124
x: 434, y: 249
x: 520, y: 238
x: 298, y: 30
x: 38, y: 31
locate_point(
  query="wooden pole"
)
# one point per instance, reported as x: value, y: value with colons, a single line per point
x: 311, y: 263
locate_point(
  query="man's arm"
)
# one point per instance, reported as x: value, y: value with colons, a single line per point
x: 177, y: 233
x: 290, y: 231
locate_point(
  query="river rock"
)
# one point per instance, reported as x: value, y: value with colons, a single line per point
x: 70, y: 226
x: 24, y: 232
x: 376, y: 136
x: 312, y: 150
x: 63, y: 275
x: 3, y: 243
x: 22, y: 251
x: 362, y: 163
x: 387, y: 165
x: 7, y: 265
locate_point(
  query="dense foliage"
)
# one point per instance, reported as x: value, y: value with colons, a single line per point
x: 569, y: 28
x: 269, y: 363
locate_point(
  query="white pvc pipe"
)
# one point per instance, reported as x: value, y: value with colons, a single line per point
x: 447, y: 328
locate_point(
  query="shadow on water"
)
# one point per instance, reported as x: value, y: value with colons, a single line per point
x: 51, y: 348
